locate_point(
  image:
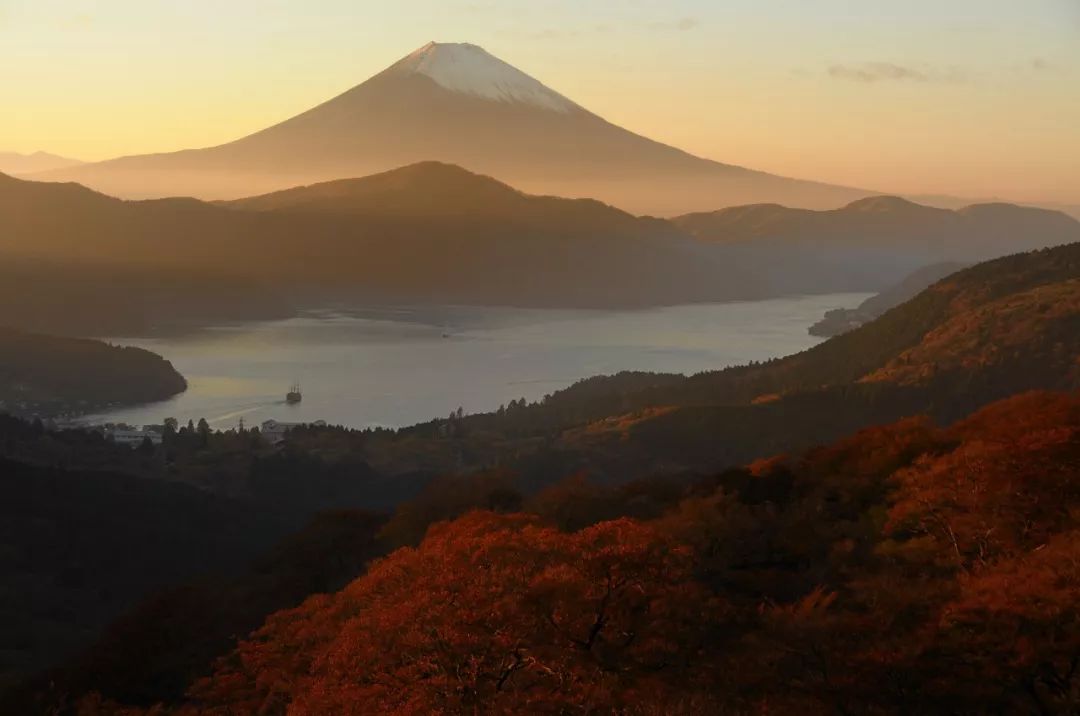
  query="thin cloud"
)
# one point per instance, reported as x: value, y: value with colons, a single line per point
x: 682, y: 25
x: 475, y: 8
x: 77, y: 22
x: 1036, y: 66
x: 877, y: 72
x: 870, y: 72
x: 551, y: 34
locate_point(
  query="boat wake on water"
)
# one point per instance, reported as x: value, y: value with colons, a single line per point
x: 243, y: 411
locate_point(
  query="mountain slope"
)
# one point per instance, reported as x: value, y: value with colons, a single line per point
x: 980, y: 289
x: 842, y: 320
x: 456, y: 103
x: 979, y: 335
x: 15, y: 163
x: 872, y: 243
x: 434, y: 192
x: 429, y: 233
x: 983, y: 229
x: 80, y: 547
x: 908, y: 559
x: 436, y: 233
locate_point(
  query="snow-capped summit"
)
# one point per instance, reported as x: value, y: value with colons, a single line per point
x: 469, y: 69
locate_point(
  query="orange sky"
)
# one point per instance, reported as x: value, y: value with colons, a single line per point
x: 968, y: 98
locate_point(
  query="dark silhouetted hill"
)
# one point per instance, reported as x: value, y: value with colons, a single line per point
x: 874, y: 242
x: 78, y: 548
x: 435, y: 233
x: 42, y: 374
x: 429, y: 233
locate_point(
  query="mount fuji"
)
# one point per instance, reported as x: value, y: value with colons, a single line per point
x: 458, y: 104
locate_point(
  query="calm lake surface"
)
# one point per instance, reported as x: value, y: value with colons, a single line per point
x: 399, y: 366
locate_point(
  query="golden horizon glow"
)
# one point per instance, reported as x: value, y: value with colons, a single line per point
x: 980, y: 99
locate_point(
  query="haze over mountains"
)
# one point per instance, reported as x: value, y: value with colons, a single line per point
x: 456, y: 103
x: 15, y: 163
x: 988, y: 228
x: 871, y: 243
x: 434, y: 233
x: 387, y: 238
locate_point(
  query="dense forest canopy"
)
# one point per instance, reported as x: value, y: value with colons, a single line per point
x: 893, y: 571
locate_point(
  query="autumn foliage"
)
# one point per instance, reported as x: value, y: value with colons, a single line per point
x: 906, y: 569
x: 490, y: 614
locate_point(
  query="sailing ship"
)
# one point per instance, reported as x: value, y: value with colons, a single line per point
x: 294, y: 396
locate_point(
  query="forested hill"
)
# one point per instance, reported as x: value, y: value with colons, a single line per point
x: 955, y: 323
x: 47, y: 375
x: 429, y: 233
x: 903, y: 569
x: 968, y: 323
x: 980, y: 335
x: 842, y: 320
x: 79, y: 547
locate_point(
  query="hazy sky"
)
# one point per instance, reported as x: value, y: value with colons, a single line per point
x: 967, y: 97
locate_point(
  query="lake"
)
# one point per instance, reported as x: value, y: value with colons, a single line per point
x: 398, y: 366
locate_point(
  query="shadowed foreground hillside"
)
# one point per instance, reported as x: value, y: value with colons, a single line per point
x: 77, y: 548
x: 904, y: 569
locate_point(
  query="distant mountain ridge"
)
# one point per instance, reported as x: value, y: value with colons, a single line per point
x: 881, y: 218
x: 430, y: 233
x: 15, y: 163
x: 436, y: 233
x: 874, y: 242
x: 429, y: 191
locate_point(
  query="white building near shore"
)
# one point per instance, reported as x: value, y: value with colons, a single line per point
x: 273, y: 431
x: 132, y: 437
